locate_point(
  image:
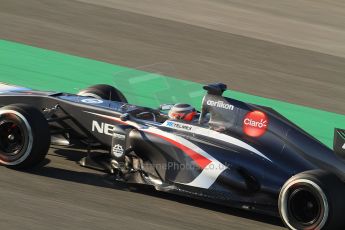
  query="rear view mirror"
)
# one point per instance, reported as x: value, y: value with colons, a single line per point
x: 124, y: 117
x: 166, y: 106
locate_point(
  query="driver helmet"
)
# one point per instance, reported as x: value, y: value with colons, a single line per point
x: 184, y: 112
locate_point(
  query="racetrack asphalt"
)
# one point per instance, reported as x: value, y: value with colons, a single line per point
x: 63, y: 195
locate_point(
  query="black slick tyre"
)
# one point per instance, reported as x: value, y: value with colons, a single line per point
x: 102, y: 91
x: 313, y: 200
x: 24, y: 136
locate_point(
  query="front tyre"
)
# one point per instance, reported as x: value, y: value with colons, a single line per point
x: 24, y: 136
x: 313, y: 200
x: 102, y: 91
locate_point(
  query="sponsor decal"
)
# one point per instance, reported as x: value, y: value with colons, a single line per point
x: 212, y: 168
x: 92, y: 101
x: 103, y: 128
x: 118, y: 150
x: 255, y: 124
x: 172, y: 124
x: 220, y: 104
x: 119, y: 136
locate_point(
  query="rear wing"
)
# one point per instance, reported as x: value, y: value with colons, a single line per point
x: 339, y: 142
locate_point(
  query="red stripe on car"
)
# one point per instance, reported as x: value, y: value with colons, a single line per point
x: 199, y: 159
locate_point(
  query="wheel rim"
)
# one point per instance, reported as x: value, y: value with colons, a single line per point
x: 16, y: 139
x: 11, y: 137
x: 305, y: 206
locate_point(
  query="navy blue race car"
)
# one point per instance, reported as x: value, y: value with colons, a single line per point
x: 233, y: 153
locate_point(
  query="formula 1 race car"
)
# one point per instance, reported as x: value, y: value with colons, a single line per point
x: 234, y: 153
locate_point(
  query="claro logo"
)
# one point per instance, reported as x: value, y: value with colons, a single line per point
x: 255, y: 124
x: 220, y: 104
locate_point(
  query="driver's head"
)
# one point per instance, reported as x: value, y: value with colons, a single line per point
x: 182, y: 112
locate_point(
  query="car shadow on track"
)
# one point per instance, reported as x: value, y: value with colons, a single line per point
x: 101, y: 179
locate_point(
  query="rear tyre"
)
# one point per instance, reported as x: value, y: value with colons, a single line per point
x: 313, y: 200
x: 105, y: 92
x: 24, y: 136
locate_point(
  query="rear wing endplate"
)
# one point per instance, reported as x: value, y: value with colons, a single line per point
x: 339, y: 142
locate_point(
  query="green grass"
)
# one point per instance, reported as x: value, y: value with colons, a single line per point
x: 48, y: 70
